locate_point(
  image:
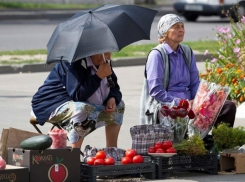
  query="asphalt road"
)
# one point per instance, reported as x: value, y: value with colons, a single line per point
x: 34, y: 34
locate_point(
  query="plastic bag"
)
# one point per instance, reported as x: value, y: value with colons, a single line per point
x: 207, y: 104
x: 113, y: 152
x: 175, y: 117
x: 145, y: 136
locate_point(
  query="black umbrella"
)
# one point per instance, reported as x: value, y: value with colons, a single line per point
x: 108, y: 28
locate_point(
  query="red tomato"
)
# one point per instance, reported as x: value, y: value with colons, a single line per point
x: 158, y: 145
x: 138, y: 159
x: 126, y: 160
x: 159, y: 150
x: 167, y: 144
x: 90, y: 160
x: 151, y: 150
x: 130, y: 153
x: 109, y: 161
x: 171, y: 150
x: 98, y: 162
x: 100, y: 155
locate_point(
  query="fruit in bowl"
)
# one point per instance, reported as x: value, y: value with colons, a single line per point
x: 162, y: 147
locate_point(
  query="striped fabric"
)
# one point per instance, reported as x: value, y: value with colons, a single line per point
x: 144, y: 136
x: 113, y: 152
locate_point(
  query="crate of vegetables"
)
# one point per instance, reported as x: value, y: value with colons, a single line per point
x: 103, y: 164
x: 164, y: 155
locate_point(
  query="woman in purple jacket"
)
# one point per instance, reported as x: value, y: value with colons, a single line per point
x: 77, y: 97
x: 183, y: 78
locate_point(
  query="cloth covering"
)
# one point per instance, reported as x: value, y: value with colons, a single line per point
x: 81, y: 118
x: 166, y: 22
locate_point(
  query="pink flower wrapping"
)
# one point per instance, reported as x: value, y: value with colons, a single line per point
x: 207, y: 104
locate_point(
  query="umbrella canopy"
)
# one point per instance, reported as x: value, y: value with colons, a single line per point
x: 108, y: 28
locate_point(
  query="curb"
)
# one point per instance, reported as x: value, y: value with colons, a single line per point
x: 32, y: 68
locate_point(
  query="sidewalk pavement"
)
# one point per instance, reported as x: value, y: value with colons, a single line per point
x: 17, y: 90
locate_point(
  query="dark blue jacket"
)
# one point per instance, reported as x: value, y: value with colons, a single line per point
x: 68, y: 82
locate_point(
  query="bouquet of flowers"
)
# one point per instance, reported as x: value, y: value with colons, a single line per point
x: 177, y: 118
x: 207, y: 104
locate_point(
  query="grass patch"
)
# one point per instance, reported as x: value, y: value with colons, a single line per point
x: 201, y: 46
x: 20, y: 62
x: 24, y: 52
x: 23, y: 5
x: 143, y: 50
x: 128, y: 51
x: 134, y: 51
x: 131, y: 50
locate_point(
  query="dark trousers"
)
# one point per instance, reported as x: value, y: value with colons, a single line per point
x: 227, y: 114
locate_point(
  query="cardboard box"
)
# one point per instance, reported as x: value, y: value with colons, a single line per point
x: 48, y: 165
x: 232, y: 162
x: 14, y: 174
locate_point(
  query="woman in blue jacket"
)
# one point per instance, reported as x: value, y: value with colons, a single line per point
x: 78, y: 98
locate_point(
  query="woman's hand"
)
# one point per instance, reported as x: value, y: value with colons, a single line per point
x: 110, y: 105
x: 104, y: 70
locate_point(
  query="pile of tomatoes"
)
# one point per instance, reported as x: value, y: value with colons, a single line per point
x: 100, y: 159
x: 162, y: 147
x: 131, y: 156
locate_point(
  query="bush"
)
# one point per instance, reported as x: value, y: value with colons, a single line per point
x: 193, y: 145
x: 228, y: 64
x: 226, y: 137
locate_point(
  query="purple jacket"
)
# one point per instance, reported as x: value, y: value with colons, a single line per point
x: 183, y: 83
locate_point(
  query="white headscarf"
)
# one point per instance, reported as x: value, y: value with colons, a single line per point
x: 166, y: 22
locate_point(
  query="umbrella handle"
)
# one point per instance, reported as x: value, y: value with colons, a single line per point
x: 109, y: 79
